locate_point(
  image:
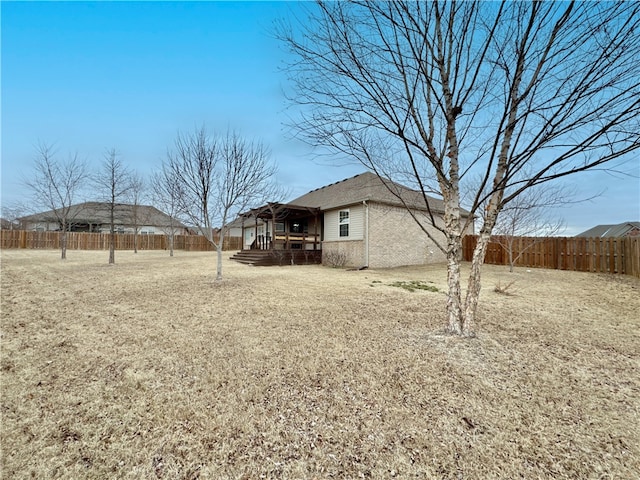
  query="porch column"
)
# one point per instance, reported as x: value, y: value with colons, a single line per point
x: 273, y: 228
x: 242, y: 234
x: 255, y: 235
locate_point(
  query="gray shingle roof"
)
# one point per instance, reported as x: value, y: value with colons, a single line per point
x: 610, y: 231
x: 366, y: 186
x: 98, y: 213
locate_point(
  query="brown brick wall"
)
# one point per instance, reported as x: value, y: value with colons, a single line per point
x: 395, y: 239
x: 353, y: 249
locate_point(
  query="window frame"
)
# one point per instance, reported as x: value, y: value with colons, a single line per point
x: 344, y: 221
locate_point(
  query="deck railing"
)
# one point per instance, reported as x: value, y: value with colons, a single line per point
x: 297, y: 241
x: 262, y: 242
x: 287, y: 241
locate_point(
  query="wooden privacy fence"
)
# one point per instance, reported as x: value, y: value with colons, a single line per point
x: 604, y: 255
x: 100, y: 241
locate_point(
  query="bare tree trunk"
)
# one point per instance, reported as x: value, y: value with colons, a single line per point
x: 454, y: 248
x: 136, y: 193
x: 511, y: 261
x: 63, y: 245
x: 112, y: 237
x: 219, y: 266
x: 63, y: 242
x: 453, y: 235
x: 171, y: 244
x: 454, y: 310
x: 474, y: 285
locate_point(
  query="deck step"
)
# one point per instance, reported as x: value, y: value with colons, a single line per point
x: 253, y: 257
x: 260, y: 258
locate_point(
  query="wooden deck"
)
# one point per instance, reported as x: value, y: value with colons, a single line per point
x: 265, y: 258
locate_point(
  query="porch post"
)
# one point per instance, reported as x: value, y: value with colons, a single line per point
x: 255, y: 235
x: 242, y: 235
x: 273, y: 228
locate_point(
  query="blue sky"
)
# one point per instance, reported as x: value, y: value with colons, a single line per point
x: 92, y: 76
x: 129, y: 75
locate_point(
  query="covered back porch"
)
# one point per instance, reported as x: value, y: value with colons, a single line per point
x: 281, y: 234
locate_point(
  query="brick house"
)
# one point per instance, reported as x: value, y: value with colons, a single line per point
x: 361, y: 219
x: 95, y: 217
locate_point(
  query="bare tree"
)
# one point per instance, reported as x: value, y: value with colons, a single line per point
x: 530, y: 214
x: 136, y: 193
x: 12, y: 214
x: 113, y: 184
x: 166, y: 194
x: 218, y: 177
x: 55, y: 185
x: 438, y: 92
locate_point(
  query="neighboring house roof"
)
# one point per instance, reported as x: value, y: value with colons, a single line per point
x: 611, y: 231
x: 7, y: 224
x: 99, y: 213
x: 238, y: 222
x: 367, y: 187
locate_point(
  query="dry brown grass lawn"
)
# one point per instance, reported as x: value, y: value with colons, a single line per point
x: 147, y: 369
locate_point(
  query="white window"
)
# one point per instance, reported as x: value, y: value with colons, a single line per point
x: 344, y: 223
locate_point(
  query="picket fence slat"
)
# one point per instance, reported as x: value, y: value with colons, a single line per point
x: 100, y: 241
x: 599, y: 255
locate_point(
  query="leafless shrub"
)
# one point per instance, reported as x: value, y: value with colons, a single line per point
x: 278, y: 256
x: 335, y: 259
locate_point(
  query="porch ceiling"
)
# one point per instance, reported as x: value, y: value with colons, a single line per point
x: 280, y: 211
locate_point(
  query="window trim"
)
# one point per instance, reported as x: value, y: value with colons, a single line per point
x: 344, y: 221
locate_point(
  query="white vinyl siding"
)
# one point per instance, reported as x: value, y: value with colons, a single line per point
x: 356, y: 223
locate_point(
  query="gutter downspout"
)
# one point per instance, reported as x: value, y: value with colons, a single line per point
x: 366, y: 233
